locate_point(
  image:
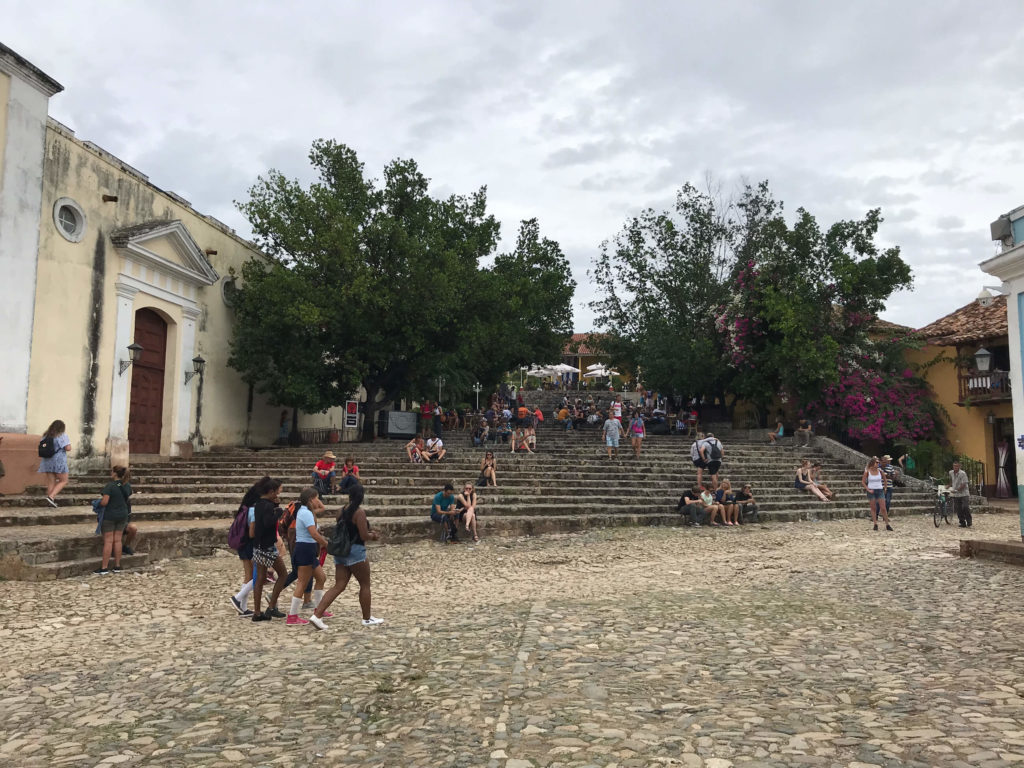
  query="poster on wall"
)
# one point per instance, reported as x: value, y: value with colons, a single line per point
x: 351, y: 414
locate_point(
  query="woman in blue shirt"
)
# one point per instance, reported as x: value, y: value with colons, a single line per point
x: 308, y: 541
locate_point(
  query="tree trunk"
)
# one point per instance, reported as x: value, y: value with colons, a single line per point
x: 370, y: 414
x: 294, y: 438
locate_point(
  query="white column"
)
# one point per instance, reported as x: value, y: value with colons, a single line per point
x: 122, y: 383
x: 21, y: 191
x: 183, y: 417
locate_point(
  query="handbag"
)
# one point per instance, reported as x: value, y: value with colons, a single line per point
x: 340, y: 543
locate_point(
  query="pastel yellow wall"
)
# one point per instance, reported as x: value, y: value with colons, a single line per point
x: 970, y: 433
x: 61, y: 360
x: 5, y: 97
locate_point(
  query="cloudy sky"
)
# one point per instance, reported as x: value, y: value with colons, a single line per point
x: 578, y: 113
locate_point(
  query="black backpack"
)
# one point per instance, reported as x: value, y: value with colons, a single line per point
x: 46, y: 448
x: 714, y: 450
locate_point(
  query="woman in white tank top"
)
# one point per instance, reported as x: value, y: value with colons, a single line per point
x: 874, y: 482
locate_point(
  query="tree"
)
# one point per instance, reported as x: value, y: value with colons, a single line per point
x: 799, y: 297
x: 661, y: 283
x: 390, y: 278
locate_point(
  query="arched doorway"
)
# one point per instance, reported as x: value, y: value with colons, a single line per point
x: 146, y: 412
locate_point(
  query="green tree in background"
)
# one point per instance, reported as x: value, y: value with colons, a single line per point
x: 390, y: 279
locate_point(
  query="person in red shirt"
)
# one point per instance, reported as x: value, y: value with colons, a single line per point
x: 348, y: 469
x: 323, y: 473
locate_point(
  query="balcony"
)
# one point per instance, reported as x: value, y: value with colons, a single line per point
x: 989, y: 387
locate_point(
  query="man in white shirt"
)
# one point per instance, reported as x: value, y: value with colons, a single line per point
x: 617, y: 408
x: 435, y: 449
x: 961, y: 495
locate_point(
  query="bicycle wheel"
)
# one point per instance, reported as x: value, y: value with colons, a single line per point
x: 945, y: 511
x: 938, y: 511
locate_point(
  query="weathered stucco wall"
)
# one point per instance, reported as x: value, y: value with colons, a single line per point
x: 74, y: 349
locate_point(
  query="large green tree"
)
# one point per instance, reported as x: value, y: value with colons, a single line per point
x: 390, y: 278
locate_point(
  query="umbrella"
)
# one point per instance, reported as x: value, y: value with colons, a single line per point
x: 597, y: 373
x: 564, y: 368
x: 595, y: 366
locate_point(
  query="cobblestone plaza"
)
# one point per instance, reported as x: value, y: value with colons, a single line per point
x: 789, y: 644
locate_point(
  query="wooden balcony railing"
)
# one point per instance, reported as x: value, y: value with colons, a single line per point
x: 977, y: 387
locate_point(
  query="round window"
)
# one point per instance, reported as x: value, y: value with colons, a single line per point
x: 70, y: 219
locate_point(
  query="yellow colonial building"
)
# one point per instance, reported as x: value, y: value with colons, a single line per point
x: 968, y: 357
x: 114, y: 315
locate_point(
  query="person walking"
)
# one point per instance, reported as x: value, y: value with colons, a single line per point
x: 873, y: 482
x: 240, y: 600
x: 637, y: 432
x: 712, y: 452
x: 961, y: 495
x: 697, y: 459
x: 114, y: 501
x: 306, y: 555
x: 265, y: 554
x: 612, y: 431
x: 53, y: 450
x: 891, y: 472
x: 355, y: 563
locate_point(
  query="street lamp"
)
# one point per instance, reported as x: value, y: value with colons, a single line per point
x: 440, y: 383
x: 983, y: 359
x: 134, y: 355
x: 198, y: 364
x: 522, y: 369
x: 478, y: 389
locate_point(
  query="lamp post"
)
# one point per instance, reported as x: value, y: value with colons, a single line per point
x: 477, y: 388
x: 522, y: 370
x: 440, y: 383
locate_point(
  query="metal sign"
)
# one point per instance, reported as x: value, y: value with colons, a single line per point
x: 351, y: 414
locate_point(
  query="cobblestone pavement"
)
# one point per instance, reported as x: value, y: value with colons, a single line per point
x: 800, y: 644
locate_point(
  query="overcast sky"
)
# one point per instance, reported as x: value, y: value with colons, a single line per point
x: 578, y: 113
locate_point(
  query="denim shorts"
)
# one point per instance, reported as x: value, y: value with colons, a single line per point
x: 876, y: 493
x: 612, y: 440
x: 355, y: 556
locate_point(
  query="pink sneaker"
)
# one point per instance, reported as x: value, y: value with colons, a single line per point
x: 328, y: 615
x: 293, y: 621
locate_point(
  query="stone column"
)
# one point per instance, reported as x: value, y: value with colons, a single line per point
x: 183, y: 416
x: 120, y: 390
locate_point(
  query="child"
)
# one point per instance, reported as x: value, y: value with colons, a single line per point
x: 774, y: 436
x: 308, y: 542
x: 713, y: 509
x: 263, y: 533
x: 114, y: 501
x: 323, y: 474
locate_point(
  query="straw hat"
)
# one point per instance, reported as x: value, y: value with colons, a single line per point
x: 329, y: 455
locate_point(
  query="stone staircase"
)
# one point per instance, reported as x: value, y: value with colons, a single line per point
x: 184, y: 507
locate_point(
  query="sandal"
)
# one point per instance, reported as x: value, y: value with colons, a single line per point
x: 476, y: 539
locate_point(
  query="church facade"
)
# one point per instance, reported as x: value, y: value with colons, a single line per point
x: 115, y: 317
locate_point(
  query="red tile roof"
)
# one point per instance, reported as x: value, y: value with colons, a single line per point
x: 582, y: 344
x: 971, y: 323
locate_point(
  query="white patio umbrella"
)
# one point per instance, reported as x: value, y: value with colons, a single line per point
x: 597, y: 373
x: 595, y: 366
x: 565, y: 368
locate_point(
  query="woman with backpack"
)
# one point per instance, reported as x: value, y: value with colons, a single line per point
x: 637, y: 432
x: 245, y: 517
x: 53, y: 450
x: 355, y: 563
x: 114, y: 501
x: 263, y: 532
x: 306, y: 555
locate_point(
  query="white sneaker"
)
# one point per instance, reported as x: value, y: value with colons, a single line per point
x: 317, y: 622
x: 372, y: 621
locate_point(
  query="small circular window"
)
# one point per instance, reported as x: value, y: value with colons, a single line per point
x: 70, y: 219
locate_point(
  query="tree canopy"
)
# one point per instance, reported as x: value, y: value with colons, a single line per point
x: 716, y: 297
x: 382, y: 284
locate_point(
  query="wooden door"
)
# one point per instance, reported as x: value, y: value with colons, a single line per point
x: 145, y: 415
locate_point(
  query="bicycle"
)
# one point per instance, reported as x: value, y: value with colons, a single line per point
x: 943, y: 502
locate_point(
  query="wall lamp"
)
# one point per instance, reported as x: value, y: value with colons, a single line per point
x: 134, y: 355
x: 198, y: 364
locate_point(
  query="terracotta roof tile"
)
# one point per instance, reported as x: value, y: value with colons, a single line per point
x: 970, y: 323
x: 581, y: 344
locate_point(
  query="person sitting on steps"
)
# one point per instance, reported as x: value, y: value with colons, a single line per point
x: 804, y: 482
x: 441, y: 512
x: 488, y: 470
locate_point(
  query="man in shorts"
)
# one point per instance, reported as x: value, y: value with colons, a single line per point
x: 441, y: 512
x: 612, y: 431
x: 712, y: 452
